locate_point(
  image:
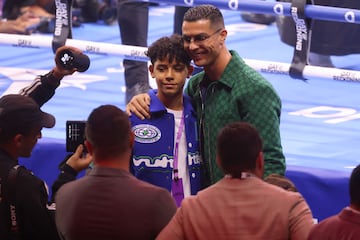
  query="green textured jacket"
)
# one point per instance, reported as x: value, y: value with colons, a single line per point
x: 242, y: 94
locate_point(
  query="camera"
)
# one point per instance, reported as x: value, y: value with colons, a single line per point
x: 94, y: 10
x: 70, y: 60
x: 75, y: 135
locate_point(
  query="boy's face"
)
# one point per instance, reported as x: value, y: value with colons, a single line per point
x: 170, y: 77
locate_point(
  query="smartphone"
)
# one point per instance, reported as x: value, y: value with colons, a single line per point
x: 75, y: 135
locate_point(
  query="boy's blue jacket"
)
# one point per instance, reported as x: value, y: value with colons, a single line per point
x: 153, y: 152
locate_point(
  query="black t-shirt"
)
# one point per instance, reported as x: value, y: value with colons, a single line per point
x: 35, y: 220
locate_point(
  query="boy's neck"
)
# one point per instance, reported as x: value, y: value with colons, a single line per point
x: 173, y: 103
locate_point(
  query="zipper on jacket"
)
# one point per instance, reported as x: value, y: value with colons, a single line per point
x: 202, y: 133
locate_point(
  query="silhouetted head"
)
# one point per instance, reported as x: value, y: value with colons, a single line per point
x: 239, y: 149
x: 108, y: 131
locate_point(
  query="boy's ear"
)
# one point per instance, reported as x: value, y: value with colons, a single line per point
x: 151, y: 70
x: 190, y: 70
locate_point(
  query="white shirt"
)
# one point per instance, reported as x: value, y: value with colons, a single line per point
x: 182, y: 152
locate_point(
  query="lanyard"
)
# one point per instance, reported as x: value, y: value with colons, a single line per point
x: 176, y: 150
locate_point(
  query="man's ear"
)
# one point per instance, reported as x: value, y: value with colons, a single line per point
x: 223, y: 34
x: 132, y: 139
x: 260, y: 165
x: 18, y: 139
x: 190, y: 70
x: 89, y: 147
x: 219, y: 163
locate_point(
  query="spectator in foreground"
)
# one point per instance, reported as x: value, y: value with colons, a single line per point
x: 109, y: 202
x: 241, y: 204
x: 346, y: 224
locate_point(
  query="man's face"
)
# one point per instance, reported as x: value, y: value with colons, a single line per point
x: 202, y: 41
x: 170, y: 77
x: 28, y: 142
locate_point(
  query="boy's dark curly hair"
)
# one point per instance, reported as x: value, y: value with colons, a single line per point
x: 168, y: 47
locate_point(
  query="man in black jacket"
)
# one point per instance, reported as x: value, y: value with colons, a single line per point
x: 24, y: 209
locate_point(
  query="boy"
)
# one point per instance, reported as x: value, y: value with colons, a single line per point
x: 166, y: 151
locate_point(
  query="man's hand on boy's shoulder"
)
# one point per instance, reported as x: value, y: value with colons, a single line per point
x: 139, y: 105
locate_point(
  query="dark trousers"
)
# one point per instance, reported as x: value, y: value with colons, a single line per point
x: 328, y: 37
x: 133, y: 20
x: 178, y: 18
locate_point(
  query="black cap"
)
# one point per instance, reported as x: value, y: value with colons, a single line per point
x: 17, y: 111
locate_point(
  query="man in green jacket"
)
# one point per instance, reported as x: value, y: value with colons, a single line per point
x: 226, y: 91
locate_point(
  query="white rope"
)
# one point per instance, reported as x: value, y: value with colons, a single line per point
x: 308, y: 73
x: 138, y: 54
x: 41, y: 41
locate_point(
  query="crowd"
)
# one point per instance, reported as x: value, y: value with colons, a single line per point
x: 29, y: 16
x: 168, y: 167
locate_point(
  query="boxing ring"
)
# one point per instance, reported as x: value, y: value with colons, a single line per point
x: 320, y: 116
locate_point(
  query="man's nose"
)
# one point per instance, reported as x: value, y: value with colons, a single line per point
x: 192, y: 44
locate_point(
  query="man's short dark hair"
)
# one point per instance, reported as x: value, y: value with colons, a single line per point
x: 206, y: 11
x: 354, y: 186
x: 171, y: 48
x: 281, y: 181
x: 108, y: 130
x: 238, y: 146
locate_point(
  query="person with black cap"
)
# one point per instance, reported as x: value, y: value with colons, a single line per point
x: 24, y: 209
